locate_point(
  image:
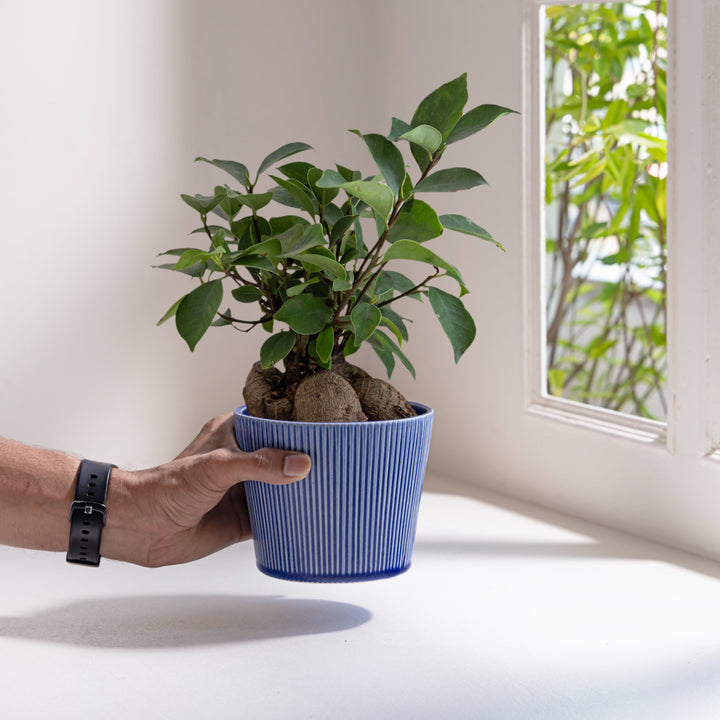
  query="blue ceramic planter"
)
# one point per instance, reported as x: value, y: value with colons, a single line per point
x: 354, y: 516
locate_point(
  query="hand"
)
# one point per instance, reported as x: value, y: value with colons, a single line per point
x: 193, y: 505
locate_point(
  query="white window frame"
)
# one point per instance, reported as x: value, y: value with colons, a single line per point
x: 681, y: 455
x: 692, y: 206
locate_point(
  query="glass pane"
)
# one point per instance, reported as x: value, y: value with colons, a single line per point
x: 605, y: 204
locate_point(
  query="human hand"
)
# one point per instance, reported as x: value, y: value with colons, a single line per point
x: 195, y: 504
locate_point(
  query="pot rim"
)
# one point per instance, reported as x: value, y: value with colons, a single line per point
x: 425, y: 410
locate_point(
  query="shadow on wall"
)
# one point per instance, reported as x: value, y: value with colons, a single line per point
x: 182, y: 621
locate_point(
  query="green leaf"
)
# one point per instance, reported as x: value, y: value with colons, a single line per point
x: 322, y: 261
x: 331, y: 179
x: 247, y: 294
x: 398, y: 322
x: 411, y: 250
x: 451, y: 180
x: 324, y: 344
x: 365, y: 317
x: 383, y: 352
x: 236, y: 169
x: 299, y: 192
x: 415, y: 221
x: 461, y: 224
x: 281, y: 153
x: 388, y: 158
x: 341, y: 285
x: 305, y: 314
x: 397, y: 281
x: 197, y: 310
x: 276, y: 348
x: 455, y: 320
x: 221, y: 321
x: 279, y: 225
x: 324, y: 196
x: 256, y: 202
x: 300, y: 238
x: 378, y: 196
x: 270, y: 248
x: 426, y: 136
x: 398, y: 128
x: 258, y: 262
x: 341, y: 227
x: 190, y: 258
x: 443, y: 107
x: 475, y: 120
x: 388, y: 344
x: 202, y: 203
x: 170, y: 313
x: 297, y: 170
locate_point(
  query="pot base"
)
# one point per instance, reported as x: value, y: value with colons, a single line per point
x: 334, y: 578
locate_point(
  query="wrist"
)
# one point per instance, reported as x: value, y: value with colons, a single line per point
x: 123, y: 535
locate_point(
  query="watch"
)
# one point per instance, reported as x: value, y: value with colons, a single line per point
x: 88, y: 513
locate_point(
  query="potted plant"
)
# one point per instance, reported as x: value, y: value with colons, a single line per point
x: 323, y: 283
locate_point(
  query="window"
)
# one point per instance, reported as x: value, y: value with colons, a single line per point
x: 659, y: 479
x: 605, y: 179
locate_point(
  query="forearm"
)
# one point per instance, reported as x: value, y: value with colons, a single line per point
x: 37, y: 487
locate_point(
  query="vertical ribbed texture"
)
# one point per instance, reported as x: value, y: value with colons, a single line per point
x: 354, y: 516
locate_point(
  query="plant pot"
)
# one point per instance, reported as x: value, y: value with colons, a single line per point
x: 354, y: 516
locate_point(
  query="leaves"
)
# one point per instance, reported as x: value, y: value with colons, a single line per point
x: 326, y: 279
x: 236, y: 169
x: 461, y: 224
x: 280, y: 154
x: 247, y: 294
x: 378, y: 196
x: 388, y: 159
x: 365, y: 318
x: 411, y: 250
x: 450, y: 180
x: 443, y: 107
x: 476, y: 120
x: 305, y: 314
x: 255, y: 202
x: 202, y: 203
x: 415, y: 221
x: 276, y: 348
x: 426, y: 136
x: 455, y: 320
x: 197, y: 310
x: 324, y: 344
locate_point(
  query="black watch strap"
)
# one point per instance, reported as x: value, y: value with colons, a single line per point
x: 87, y: 513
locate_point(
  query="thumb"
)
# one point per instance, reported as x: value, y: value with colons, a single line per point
x: 225, y: 467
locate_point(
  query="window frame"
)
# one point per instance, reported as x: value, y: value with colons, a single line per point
x: 693, y: 422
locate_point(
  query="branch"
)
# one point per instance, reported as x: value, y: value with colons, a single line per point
x: 412, y: 290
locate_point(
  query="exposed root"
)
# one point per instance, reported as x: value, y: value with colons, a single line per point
x: 327, y: 397
x: 380, y: 400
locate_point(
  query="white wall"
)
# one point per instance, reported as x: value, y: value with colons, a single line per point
x: 105, y: 105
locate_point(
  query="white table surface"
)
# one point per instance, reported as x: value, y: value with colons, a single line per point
x: 507, y: 613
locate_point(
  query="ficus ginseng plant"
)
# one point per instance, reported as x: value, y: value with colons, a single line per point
x: 322, y: 283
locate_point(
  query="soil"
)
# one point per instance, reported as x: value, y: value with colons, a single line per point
x: 345, y: 393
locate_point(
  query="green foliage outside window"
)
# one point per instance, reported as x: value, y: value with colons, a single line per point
x: 606, y: 168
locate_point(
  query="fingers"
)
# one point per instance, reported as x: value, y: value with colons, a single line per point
x: 216, y: 433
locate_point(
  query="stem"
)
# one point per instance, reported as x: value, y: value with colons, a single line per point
x: 413, y: 290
